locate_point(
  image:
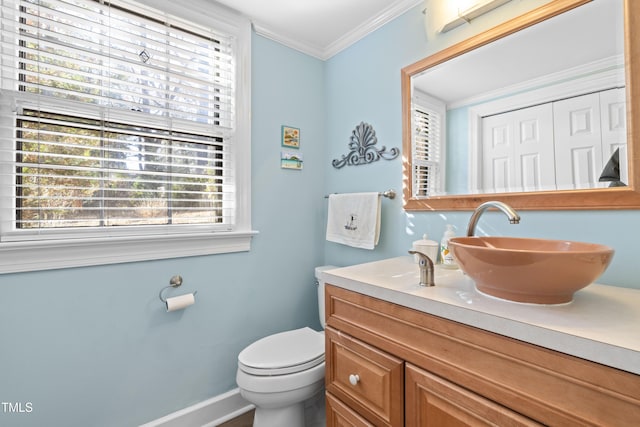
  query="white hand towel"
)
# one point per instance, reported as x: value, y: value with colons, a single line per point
x: 354, y: 219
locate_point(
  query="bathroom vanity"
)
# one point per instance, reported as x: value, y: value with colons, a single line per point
x: 400, y: 354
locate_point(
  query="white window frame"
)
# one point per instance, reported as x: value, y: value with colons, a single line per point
x: 22, y: 256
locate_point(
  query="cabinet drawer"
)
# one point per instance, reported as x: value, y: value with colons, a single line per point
x: 366, y: 379
x: 340, y: 415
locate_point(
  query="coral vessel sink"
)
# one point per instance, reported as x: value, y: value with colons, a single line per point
x: 535, y: 271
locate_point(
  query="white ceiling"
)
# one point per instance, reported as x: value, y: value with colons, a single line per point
x: 320, y: 28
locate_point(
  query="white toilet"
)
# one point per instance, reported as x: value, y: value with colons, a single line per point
x: 279, y: 372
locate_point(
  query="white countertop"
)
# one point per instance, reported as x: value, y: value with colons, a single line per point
x: 601, y: 324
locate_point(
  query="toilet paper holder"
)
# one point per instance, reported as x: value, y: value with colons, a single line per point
x: 174, y: 282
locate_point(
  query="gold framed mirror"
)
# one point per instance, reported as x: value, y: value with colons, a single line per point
x: 622, y: 197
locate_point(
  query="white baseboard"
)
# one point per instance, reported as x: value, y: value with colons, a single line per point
x: 208, y: 413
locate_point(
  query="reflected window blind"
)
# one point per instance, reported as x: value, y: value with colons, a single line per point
x: 121, y: 116
x: 426, y: 151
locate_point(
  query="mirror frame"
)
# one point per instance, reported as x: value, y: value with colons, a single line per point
x: 607, y: 198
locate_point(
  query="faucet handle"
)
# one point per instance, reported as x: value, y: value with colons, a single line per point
x: 426, y: 269
x: 421, y: 255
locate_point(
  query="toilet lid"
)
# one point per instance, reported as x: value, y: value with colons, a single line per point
x: 283, y: 353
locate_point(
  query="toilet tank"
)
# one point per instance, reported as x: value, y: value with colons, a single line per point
x: 320, y: 283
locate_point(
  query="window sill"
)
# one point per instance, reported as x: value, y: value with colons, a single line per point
x: 18, y: 257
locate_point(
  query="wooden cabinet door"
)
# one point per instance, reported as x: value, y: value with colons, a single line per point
x: 431, y: 401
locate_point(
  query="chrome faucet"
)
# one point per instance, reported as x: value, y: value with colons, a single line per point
x: 514, y: 218
x: 426, y: 269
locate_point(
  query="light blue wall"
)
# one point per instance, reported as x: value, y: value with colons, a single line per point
x: 363, y: 84
x: 93, y: 346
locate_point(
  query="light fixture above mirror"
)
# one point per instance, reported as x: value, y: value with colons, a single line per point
x: 594, y: 198
x: 468, y: 10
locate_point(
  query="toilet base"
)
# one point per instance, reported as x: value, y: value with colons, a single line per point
x: 292, y: 416
x: 283, y: 409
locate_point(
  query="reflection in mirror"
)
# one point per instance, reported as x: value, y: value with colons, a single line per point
x: 536, y: 107
x: 533, y: 111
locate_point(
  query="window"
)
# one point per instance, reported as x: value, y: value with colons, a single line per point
x: 121, y: 124
x: 427, y: 116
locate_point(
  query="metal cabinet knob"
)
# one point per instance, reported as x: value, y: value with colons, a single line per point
x: 354, y: 379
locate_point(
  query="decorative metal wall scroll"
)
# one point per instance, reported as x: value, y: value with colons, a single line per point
x: 362, y: 142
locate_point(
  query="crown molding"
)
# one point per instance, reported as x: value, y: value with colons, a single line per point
x: 393, y: 11
x: 272, y: 34
x: 389, y: 14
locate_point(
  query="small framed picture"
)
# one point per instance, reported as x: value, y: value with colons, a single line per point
x: 290, y: 137
x: 289, y: 160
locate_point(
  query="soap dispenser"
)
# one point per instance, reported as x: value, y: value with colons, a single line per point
x: 446, y: 257
x: 427, y: 247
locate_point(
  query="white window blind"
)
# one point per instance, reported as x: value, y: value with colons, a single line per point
x: 113, y: 116
x: 427, y: 150
x: 73, y: 172
x: 97, y: 53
